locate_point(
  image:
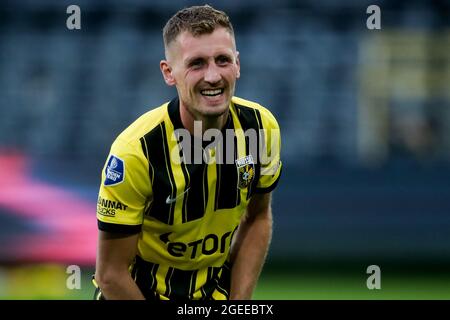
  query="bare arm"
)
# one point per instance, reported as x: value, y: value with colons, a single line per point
x: 250, y: 247
x: 115, y: 253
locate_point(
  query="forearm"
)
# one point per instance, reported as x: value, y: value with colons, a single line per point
x: 119, y: 286
x: 248, y: 255
x: 115, y: 253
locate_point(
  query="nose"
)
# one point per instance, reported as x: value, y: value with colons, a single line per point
x: 212, y: 74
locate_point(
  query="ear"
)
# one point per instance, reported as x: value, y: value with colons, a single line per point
x: 238, y: 65
x: 166, y: 71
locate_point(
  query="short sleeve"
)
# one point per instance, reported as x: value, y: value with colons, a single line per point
x: 270, y: 159
x: 124, y: 190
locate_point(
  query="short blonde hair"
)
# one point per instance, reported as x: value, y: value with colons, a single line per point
x: 197, y: 20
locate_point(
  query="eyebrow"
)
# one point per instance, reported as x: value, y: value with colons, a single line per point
x: 201, y: 58
x: 189, y: 61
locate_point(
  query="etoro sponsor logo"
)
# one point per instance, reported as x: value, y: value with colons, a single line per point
x: 108, y: 208
x: 208, y: 245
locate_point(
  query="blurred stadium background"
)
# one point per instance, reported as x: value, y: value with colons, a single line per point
x: 365, y: 118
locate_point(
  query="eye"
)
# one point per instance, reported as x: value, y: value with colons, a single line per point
x: 223, y: 60
x: 196, y: 63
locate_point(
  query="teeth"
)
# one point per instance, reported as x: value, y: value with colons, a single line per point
x: 211, y: 92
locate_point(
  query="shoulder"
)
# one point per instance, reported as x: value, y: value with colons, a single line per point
x: 145, y: 124
x: 248, y: 110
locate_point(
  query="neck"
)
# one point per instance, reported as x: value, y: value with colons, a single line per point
x: 188, y: 118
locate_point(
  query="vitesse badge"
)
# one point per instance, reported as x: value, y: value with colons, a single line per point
x: 246, y: 171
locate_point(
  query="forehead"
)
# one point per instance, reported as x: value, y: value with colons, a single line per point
x: 210, y: 44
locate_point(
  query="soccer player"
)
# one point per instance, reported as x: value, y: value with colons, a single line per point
x: 174, y: 228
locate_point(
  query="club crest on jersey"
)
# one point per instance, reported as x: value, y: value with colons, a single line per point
x: 246, y: 171
x: 115, y: 171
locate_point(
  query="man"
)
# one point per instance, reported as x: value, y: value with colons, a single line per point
x: 172, y: 227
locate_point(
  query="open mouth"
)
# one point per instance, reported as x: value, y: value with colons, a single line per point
x: 211, y: 92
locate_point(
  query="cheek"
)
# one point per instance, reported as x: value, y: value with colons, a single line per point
x: 237, y: 73
x: 232, y: 74
x: 233, y: 71
x: 191, y: 80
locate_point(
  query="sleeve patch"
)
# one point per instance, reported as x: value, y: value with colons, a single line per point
x: 114, y: 171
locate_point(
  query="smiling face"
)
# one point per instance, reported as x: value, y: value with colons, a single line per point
x: 204, y: 69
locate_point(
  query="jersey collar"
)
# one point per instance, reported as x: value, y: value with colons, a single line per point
x: 174, y: 114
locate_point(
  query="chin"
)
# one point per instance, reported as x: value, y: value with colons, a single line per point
x: 215, y: 111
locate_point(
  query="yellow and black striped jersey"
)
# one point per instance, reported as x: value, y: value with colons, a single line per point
x: 185, y: 211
